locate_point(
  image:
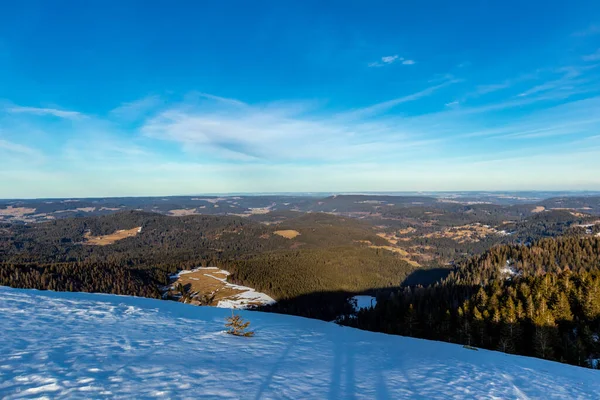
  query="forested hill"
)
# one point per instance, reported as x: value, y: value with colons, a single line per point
x: 541, y: 300
x: 555, y: 255
x: 134, y: 252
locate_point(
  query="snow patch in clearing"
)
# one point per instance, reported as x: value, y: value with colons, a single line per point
x: 361, y: 301
x: 247, y: 298
x: 509, y: 270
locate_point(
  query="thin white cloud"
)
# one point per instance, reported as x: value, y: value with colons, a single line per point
x: 386, y: 105
x: 571, y: 79
x: 16, y: 148
x: 220, y: 144
x: 592, y: 57
x: 388, y: 60
x: 282, y: 133
x: 45, y: 111
x: 591, y: 30
x: 485, y: 89
x: 481, y: 90
x: 136, y: 109
x: 575, y: 118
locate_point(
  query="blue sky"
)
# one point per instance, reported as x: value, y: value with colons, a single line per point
x: 111, y: 98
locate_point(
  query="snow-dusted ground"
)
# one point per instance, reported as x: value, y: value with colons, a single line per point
x: 362, y: 301
x: 78, y: 345
x: 247, y: 297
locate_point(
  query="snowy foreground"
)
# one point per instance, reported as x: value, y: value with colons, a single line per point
x: 79, y: 345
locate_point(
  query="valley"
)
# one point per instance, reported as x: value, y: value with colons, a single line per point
x: 310, y: 256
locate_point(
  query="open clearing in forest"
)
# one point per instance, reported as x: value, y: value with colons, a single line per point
x: 110, y: 239
x: 398, y: 250
x: 287, y: 233
x: 405, y: 255
x: 183, y: 212
x: 538, y: 209
x: 16, y: 211
x: 211, y: 283
x: 466, y: 233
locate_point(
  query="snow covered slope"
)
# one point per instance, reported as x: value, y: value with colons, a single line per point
x: 79, y: 345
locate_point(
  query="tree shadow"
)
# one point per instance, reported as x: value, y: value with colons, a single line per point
x: 330, y: 305
x: 425, y: 277
x: 276, y: 365
x: 343, y: 370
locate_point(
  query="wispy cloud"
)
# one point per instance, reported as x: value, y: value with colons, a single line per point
x: 45, y: 111
x: 271, y: 134
x: 17, y: 148
x: 387, y: 105
x: 575, y: 118
x: 206, y: 142
x: 136, y: 109
x: 388, y: 60
x: 592, y: 57
x: 591, y: 30
x: 571, y: 79
x: 485, y: 89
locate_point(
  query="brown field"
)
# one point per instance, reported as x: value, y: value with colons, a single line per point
x: 243, y: 216
x: 260, y: 210
x: 182, y: 212
x: 210, y: 281
x: 578, y: 214
x: 16, y: 211
x: 110, y: 239
x: 200, y: 282
x: 389, y: 237
x: 398, y: 250
x: 407, y: 231
x: 86, y: 209
x: 464, y: 233
x: 287, y: 233
x: 538, y: 209
x: 572, y: 211
x: 405, y: 255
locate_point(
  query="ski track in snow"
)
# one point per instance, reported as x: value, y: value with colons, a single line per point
x: 80, y: 345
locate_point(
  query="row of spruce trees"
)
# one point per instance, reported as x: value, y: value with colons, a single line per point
x: 541, y: 300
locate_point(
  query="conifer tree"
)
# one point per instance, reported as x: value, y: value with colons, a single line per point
x: 236, y: 326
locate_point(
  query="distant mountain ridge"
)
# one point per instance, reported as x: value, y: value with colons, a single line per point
x: 40, y: 210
